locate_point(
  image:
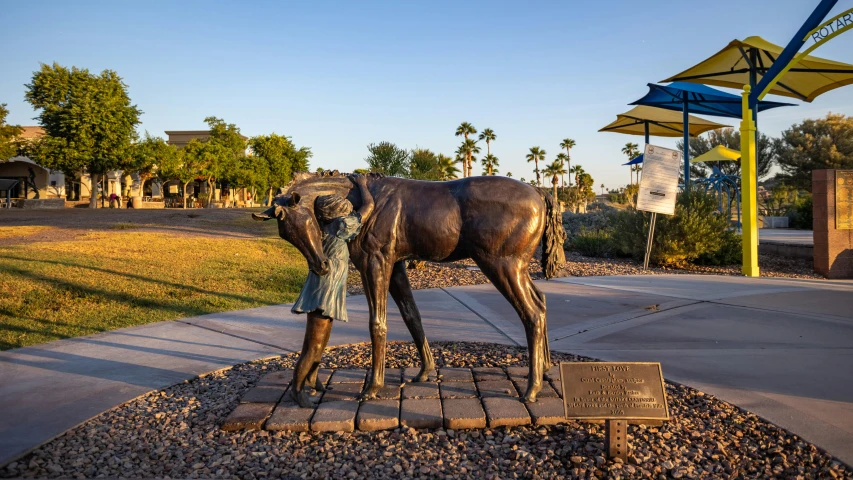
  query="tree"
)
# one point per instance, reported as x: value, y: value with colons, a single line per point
x: 568, y: 144
x: 536, y: 154
x: 447, y: 167
x: 280, y: 158
x: 509, y: 174
x: 489, y: 136
x: 465, y: 129
x: 554, y: 170
x: 490, y: 164
x: 88, y: 119
x: 146, y: 157
x: 223, y: 154
x: 823, y: 143
x: 8, y: 136
x: 630, y: 149
x: 180, y: 167
x: 388, y: 159
x: 467, y: 151
x: 602, y: 189
x: 563, y: 159
x: 424, y: 165
x: 729, y: 138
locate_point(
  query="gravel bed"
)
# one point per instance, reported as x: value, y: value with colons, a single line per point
x: 465, y: 272
x: 175, y: 433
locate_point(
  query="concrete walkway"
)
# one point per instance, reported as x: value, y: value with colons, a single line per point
x: 780, y: 348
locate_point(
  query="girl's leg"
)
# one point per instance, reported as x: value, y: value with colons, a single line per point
x: 316, y: 332
x: 312, y: 375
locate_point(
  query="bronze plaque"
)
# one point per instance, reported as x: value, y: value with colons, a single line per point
x: 614, y: 390
x: 844, y: 199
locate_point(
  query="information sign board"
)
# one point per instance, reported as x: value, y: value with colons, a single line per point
x: 659, y: 181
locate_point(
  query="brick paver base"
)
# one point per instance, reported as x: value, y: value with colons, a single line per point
x: 455, y: 398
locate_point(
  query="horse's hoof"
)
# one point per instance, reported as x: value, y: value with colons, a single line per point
x: 319, y: 386
x: 529, y: 398
x: 302, y: 399
x: 369, y: 393
x: 423, y: 375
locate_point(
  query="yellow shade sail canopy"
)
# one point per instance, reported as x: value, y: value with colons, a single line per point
x: 718, y: 154
x: 730, y: 67
x: 662, y: 123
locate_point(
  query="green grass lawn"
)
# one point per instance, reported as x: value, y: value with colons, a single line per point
x: 122, y: 276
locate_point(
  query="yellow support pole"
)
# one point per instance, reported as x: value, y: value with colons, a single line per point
x: 749, y: 196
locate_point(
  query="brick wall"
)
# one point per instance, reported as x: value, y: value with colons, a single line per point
x: 833, y: 248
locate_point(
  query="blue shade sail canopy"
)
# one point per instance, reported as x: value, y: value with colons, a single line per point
x: 701, y: 100
x: 635, y: 160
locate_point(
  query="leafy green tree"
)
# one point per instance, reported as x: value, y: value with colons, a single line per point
x: 814, y: 144
x: 568, y: 144
x: 730, y: 138
x: 536, y: 155
x: 424, y: 165
x: 281, y: 159
x: 463, y: 130
x: 88, y: 119
x: 447, y: 167
x: 490, y: 164
x: 181, y: 167
x: 8, y: 136
x: 146, y: 157
x: 388, y: 159
x: 224, y: 152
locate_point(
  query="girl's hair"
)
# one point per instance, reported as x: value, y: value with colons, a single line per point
x: 327, y: 207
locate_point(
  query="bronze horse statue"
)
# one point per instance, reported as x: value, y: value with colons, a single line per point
x: 496, y: 221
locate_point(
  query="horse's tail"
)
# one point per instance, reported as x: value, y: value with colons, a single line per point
x: 553, y: 256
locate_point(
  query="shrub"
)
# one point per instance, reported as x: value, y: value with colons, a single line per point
x: 696, y: 230
x: 730, y: 251
x: 597, y: 218
x: 801, y: 215
x: 592, y: 243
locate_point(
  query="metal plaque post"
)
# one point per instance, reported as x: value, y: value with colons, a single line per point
x: 649, y: 241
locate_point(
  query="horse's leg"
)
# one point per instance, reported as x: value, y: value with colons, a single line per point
x: 510, y: 277
x: 401, y: 291
x: 375, y: 280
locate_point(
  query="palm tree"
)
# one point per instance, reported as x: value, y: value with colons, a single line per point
x: 447, y: 166
x: 563, y: 158
x: 630, y: 149
x: 534, y: 156
x: 509, y: 174
x: 463, y: 130
x: 577, y: 171
x: 602, y: 189
x: 469, y: 147
x: 489, y: 136
x: 555, y: 169
x: 489, y: 163
x: 568, y: 144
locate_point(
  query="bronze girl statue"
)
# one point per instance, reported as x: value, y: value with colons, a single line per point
x: 323, y: 297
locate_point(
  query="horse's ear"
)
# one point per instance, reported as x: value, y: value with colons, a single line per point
x: 294, y: 199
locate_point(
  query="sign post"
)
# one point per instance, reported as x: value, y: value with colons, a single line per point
x: 620, y: 393
x: 658, y: 187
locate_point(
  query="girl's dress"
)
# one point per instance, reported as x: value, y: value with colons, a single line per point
x: 328, y: 293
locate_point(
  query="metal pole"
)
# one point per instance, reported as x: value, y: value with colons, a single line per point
x: 646, y: 124
x: 748, y: 192
x: 649, y: 241
x: 686, y: 127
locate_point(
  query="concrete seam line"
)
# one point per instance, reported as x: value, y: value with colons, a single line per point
x: 482, y: 317
x: 237, y: 336
x: 623, y: 289
x: 641, y: 315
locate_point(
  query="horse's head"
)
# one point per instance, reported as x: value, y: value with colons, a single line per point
x: 298, y: 225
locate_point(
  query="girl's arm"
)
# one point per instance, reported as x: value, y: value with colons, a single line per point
x: 366, y: 198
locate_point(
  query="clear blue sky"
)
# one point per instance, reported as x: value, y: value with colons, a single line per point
x: 337, y: 76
